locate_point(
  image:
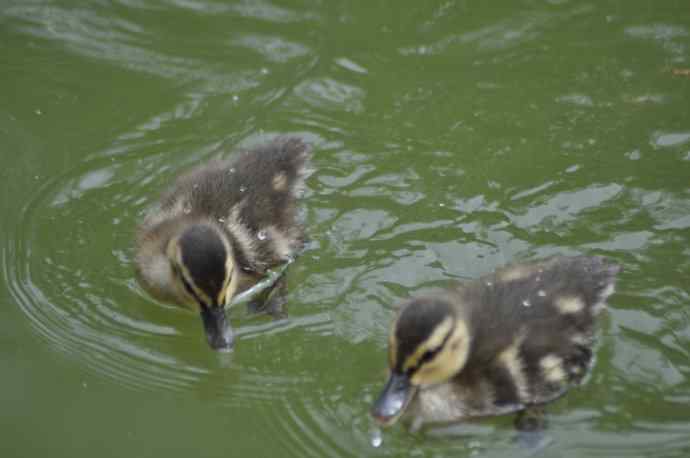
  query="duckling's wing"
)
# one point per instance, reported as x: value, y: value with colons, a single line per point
x: 267, y: 182
x: 533, y: 325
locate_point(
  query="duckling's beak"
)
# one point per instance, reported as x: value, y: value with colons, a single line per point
x: 218, y: 333
x: 394, y: 398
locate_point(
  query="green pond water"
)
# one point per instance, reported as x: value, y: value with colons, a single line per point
x: 450, y: 137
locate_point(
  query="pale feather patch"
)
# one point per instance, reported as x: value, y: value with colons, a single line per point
x: 241, y: 233
x: 604, y: 295
x: 280, y: 243
x: 598, y: 307
x: 552, y: 368
x: 280, y: 182
x: 569, y: 304
x: 581, y: 339
x: 299, y: 185
x: 510, y: 359
x: 513, y: 273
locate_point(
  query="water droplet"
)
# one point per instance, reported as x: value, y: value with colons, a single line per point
x: 242, y: 189
x: 376, y: 438
x: 526, y: 303
x: 541, y: 293
x: 261, y: 235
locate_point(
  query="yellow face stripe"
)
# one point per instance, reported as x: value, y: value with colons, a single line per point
x: 432, y: 343
x: 184, y: 278
x: 449, y: 360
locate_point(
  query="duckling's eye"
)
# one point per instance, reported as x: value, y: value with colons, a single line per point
x: 429, y: 355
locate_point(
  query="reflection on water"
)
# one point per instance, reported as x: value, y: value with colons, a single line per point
x: 449, y: 138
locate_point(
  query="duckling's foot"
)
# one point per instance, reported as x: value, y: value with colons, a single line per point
x: 531, y: 419
x: 273, y: 301
x: 531, y: 425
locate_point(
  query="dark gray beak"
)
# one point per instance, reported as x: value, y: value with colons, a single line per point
x: 218, y: 333
x: 394, y: 398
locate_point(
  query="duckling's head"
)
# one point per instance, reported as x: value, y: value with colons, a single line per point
x: 203, y: 267
x: 428, y: 344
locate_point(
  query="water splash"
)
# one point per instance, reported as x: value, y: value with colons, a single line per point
x: 376, y: 437
x: 526, y: 303
x: 262, y: 235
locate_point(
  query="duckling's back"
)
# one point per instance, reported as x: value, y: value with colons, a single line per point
x: 253, y: 196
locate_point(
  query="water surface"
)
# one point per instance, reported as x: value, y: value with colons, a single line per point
x: 450, y: 137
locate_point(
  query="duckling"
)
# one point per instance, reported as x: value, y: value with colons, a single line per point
x: 508, y: 342
x: 220, y: 228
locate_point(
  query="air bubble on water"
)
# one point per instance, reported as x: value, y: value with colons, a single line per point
x: 541, y: 293
x: 526, y: 303
x: 376, y: 437
x: 261, y: 235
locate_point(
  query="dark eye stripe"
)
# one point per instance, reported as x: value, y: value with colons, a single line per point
x: 430, y: 354
x: 188, y: 287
